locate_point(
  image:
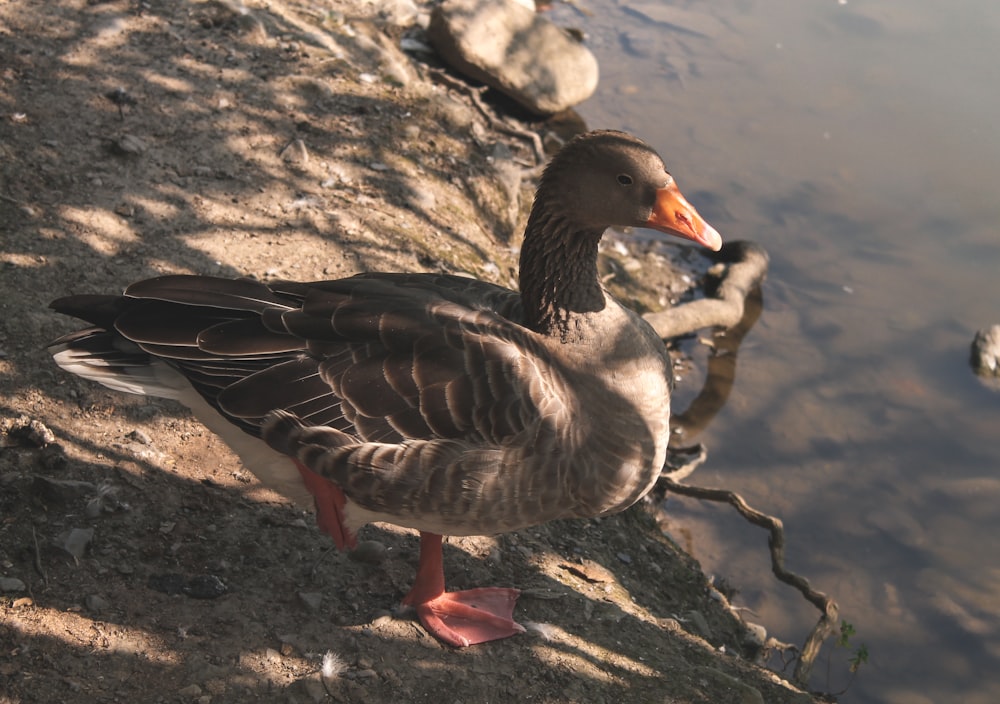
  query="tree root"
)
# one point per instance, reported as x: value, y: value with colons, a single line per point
x: 747, y: 266
x: 476, y: 96
x: 828, y: 608
x: 736, y: 305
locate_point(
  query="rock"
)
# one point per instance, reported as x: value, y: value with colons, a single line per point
x: 140, y: 436
x: 11, y: 584
x: 129, y: 145
x: 313, y: 688
x: 400, y: 13
x: 75, y: 541
x: 63, y: 491
x: 371, y: 552
x: 985, y: 358
x: 96, y: 603
x: 755, y: 636
x: 189, y: 692
x: 311, y: 600
x: 205, y: 586
x: 518, y: 52
x: 739, y: 693
x: 699, y: 624
x: 53, y: 458
x: 295, y: 152
x: 25, y: 432
x: 202, y: 586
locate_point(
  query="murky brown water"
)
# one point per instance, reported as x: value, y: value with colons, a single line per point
x: 859, y: 143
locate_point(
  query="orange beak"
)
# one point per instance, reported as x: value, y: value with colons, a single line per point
x: 674, y: 215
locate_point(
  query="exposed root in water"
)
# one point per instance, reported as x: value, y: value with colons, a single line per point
x: 747, y: 264
x: 736, y: 305
x: 829, y: 611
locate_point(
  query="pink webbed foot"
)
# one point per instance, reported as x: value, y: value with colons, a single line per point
x: 330, y: 502
x: 471, y: 617
x: 459, y: 618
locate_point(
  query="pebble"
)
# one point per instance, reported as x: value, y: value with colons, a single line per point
x: 202, y: 586
x: 53, y: 458
x: 738, y: 692
x: 96, y: 603
x: 11, y: 584
x: 205, y: 586
x: 190, y: 692
x: 61, y: 490
x: 985, y: 355
x: 140, y: 436
x: 28, y: 433
x: 130, y: 145
x: 755, y: 636
x: 699, y: 624
x: 371, y: 552
x: 295, y: 152
x: 75, y: 541
x: 313, y: 688
x: 311, y: 600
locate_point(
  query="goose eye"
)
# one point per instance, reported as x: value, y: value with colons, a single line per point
x: 625, y: 179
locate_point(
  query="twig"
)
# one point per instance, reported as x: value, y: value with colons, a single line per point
x: 38, y: 557
x: 476, y: 96
x: 15, y: 201
x: 776, y: 540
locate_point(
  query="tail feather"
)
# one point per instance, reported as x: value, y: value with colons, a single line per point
x: 111, y: 360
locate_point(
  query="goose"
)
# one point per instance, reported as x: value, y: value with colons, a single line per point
x: 434, y: 402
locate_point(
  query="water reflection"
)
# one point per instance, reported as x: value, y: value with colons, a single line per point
x: 858, y: 143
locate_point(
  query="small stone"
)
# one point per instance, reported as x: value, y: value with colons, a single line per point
x: 697, y: 621
x: 738, y: 691
x: 295, y: 152
x: 129, y: 145
x: 140, y: 436
x: 985, y: 357
x: 371, y: 552
x: 96, y: 603
x: 205, y: 586
x: 167, y: 583
x: 190, y: 692
x: 53, y: 458
x: 313, y: 688
x: 11, y: 584
x: 61, y: 490
x: 24, y: 432
x: 755, y: 636
x: 311, y: 600
x: 75, y: 541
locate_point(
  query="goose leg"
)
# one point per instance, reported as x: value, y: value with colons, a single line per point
x: 459, y: 618
x: 330, y: 502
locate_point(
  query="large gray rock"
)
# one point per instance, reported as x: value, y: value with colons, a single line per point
x: 516, y: 51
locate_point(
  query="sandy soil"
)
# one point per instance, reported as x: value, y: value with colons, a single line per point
x: 141, y: 562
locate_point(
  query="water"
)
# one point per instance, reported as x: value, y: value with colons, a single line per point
x: 859, y: 143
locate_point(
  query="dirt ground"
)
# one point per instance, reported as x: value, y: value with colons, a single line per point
x: 139, y: 561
